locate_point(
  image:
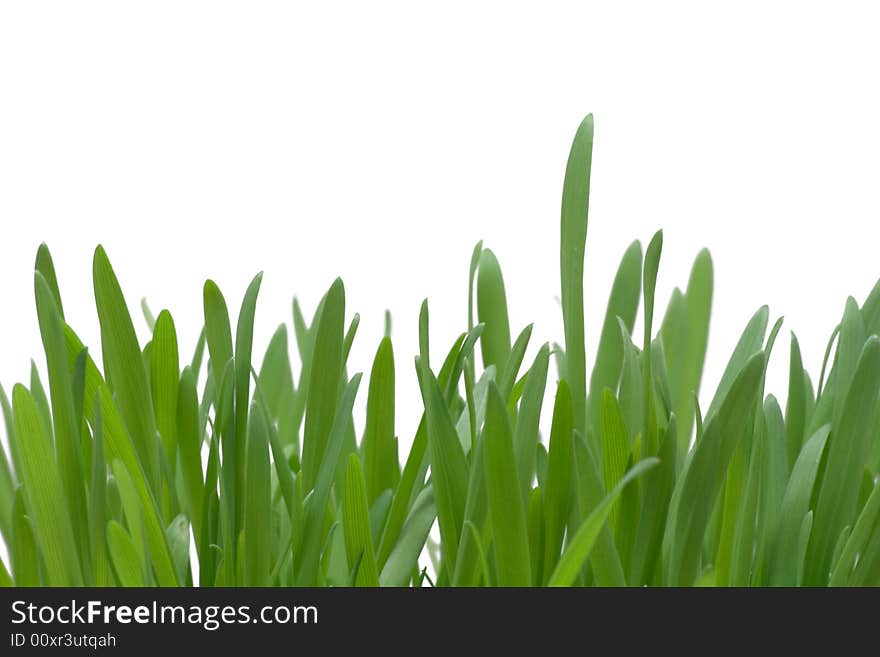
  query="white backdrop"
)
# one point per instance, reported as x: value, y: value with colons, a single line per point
x: 380, y: 141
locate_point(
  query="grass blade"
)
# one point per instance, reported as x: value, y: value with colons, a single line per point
x: 575, y: 209
x: 506, y: 511
x: 848, y: 448
x: 379, y: 450
x: 356, y: 525
x: 324, y: 382
x: 44, y: 494
x: 578, y: 549
x: 125, y: 365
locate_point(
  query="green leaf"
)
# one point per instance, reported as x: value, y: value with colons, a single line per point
x: 403, y: 494
x: 218, y: 333
x: 148, y: 315
x: 190, y: 446
x: 535, y: 529
x: 652, y: 264
x: 177, y: 535
x: 582, y: 542
x: 5, y: 579
x: 615, y: 442
x: 772, y: 491
x: 244, y: 338
x: 98, y: 503
x: 784, y: 564
x: 525, y: 433
x: 164, y: 376
x: 404, y: 557
x: 324, y: 382
x: 558, y: 487
x: 507, y: 376
x: 698, y: 309
x: 858, y: 540
x: 23, y: 551
x: 120, y: 446
x: 623, y: 303
x: 276, y: 382
x: 492, y: 311
x: 699, y: 306
x: 697, y: 487
x: 350, y: 334
x: 575, y: 209
x: 65, y: 419
x: 42, y: 401
x: 472, y: 272
x: 605, y: 562
x: 7, y: 482
x: 657, y: 486
x: 257, y: 504
x: 356, y: 524
x: 126, y: 562
x: 125, y: 365
x: 380, y: 453
x: 796, y: 404
x: 44, y: 494
x: 46, y: 268
x: 310, y: 551
x: 847, y: 452
x: 750, y: 343
x: 849, y: 349
x: 506, y: 511
x: 449, y: 471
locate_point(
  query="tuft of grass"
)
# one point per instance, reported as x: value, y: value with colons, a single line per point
x: 113, y: 466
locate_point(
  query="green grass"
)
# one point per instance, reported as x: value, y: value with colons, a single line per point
x: 635, y: 484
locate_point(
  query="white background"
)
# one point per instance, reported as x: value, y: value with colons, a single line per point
x: 380, y: 141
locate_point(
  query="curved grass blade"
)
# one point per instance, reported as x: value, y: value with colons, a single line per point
x: 525, y: 433
x: 605, y: 563
x: 405, y: 555
x: 582, y: 542
x: 65, y: 420
x: 449, y: 470
x: 858, y: 540
x: 507, y: 375
x: 124, y: 555
x: 44, y: 493
x: 786, y: 559
x: 697, y: 487
x: 125, y: 365
x: 750, y: 343
x: 119, y: 446
x: 46, y: 268
x: 575, y: 210
x: 848, y: 448
x: 623, y: 303
x: 310, y: 551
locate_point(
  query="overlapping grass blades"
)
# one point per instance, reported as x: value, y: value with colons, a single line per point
x: 111, y: 469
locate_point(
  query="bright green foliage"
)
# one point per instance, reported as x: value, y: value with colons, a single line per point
x: 117, y: 460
